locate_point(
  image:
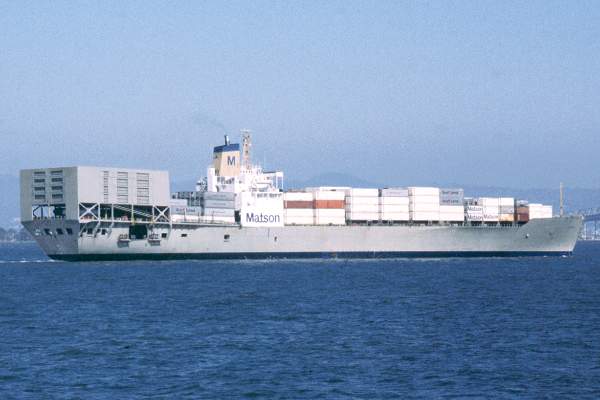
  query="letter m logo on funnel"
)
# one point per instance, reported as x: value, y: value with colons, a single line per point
x: 230, y: 160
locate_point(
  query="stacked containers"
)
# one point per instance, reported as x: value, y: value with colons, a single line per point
x: 491, y: 208
x: 473, y: 210
x: 424, y: 203
x: 538, y: 211
x: 506, y: 209
x: 219, y: 206
x: 362, y: 204
x: 451, y: 205
x: 329, y: 207
x: 184, y: 213
x: 298, y: 208
x: 394, y: 204
x: 522, y: 213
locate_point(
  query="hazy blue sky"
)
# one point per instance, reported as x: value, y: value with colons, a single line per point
x: 496, y: 93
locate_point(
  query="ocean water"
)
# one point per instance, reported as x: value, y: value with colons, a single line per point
x: 440, y: 328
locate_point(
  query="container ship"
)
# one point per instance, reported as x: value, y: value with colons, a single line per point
x: 240, y: 211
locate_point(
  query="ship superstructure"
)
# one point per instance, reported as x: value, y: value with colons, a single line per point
x: 241, y: 211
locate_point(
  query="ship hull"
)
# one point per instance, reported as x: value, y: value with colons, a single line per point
x: 542, y: 237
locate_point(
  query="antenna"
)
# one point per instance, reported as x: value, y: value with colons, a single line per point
x: 227, y: 140
x: 246, y: 147
x: 562, y: 199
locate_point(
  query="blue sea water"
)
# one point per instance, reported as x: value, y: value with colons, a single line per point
x: 441, y: 328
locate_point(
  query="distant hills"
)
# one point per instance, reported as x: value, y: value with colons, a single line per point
x: 575, y: 199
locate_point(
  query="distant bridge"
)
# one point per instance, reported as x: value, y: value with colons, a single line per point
x: 591, y: 219
x: 591, y: 215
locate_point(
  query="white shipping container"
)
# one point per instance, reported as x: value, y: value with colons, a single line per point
x: 537, y: 211
x: 362, y: 200
x: 299, y: 221
x: 491, y: 217
x: 474, y: 216
x: 424, y: 216
x: 489, y: 201
x: 362, y: 216
x: 219, y: 212
x: 314, y: 189
x: 394, y: 192
x: 330, y: 213
x: 362, y: 208
x: 219, y: 204
x: 425, y: 199
x: 298, y: 196
x: 475, y: 209
x: 424, y: 207
x: 452, y: 209
x: 185, y: 210
x: 361, y: 192
x: 506, y: 201
x: 394, y: 208
x: 222, y: 196
x: 330, y: 221
x: 393, y: 200
x: 299, y: 212
x: 423, y: 191
x: 330, y: 195
x: 395, y: 216
x: 452, y: 217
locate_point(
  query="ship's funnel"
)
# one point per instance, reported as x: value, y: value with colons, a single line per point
x: 226, y: 159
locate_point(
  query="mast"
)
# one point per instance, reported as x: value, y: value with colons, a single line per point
x: 562, y: 199
x: 246, y: 147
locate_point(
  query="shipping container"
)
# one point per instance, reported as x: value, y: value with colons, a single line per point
x: 452, y: 197
x: 507, y: 209
x: 361, y: 192
x: 185, y: 210
x: 299, y: 220
x: 217, y: 196
x: 424, y: 216
x: 451, y: 202
x: 327, y: 189
x: 218, y: 212
x: 423, y: 191
x: 395, y: 216
x: 219, y: 204
x: 299, y: 212
x: 424, y: 199
x: 395, y: 208
x: 362, y: 208
x: 393, y: 201
x: 451, y: 217
x: 299, y: 203
x: 452, y: 209
x: 330, y: 195
x: 298, y: 196
x: 489, y: 201
x: 394, y: 192
x: 452, y: 193
x: 329, y: 204
x: 362, y: 200
x: 424, y: 207
x: 178, y: 203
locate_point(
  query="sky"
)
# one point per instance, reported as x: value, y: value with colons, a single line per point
x: 405, y: 93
